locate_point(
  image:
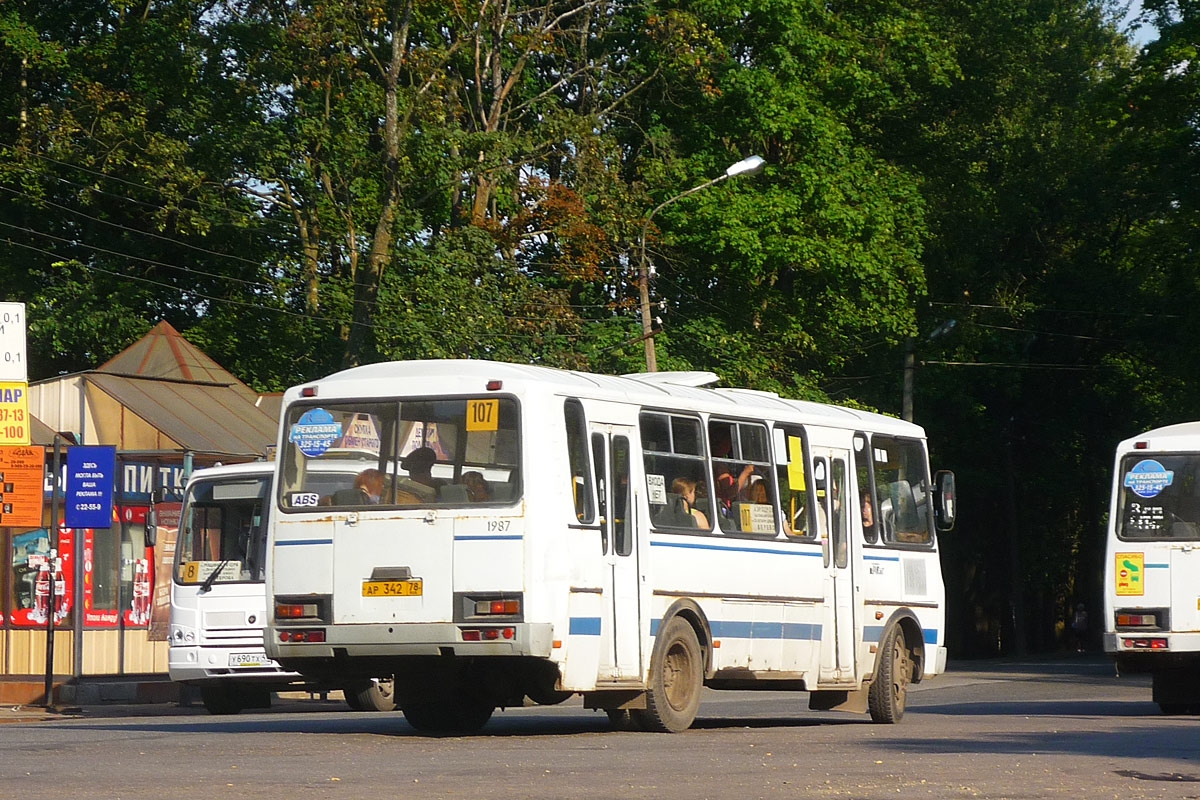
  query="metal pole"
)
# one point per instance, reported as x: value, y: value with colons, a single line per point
x: 644, y: 272
x: 751, y: 165
x: 52, y: 535
x: 644, y: 294
x: 906, y: 403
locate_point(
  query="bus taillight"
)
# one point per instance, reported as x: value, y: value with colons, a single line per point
x: 505, y: 607
x: 308, y: 636
x: 295, y: 610
x: 487, y: 634
x: 1145, y: 644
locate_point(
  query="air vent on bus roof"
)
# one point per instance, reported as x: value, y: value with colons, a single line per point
x: 693, y: 379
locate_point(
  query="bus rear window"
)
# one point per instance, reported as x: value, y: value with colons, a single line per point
x: 429, y: 452
x: 1159, y: 496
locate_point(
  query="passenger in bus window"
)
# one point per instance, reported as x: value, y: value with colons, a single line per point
x: 686, y: 488
x: 727, y: 487
x: 756, y: 491
x: 477, y: 487
x: 367, y: 489
x: 419, y: 486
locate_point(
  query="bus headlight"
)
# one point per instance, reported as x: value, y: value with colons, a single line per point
x: 181, y: 634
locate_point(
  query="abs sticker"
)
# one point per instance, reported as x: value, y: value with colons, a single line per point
x: 1148, y: 478
x: 304, y: 499
x: 315, y: 432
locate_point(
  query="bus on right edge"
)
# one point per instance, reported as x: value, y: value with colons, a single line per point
x: 1152, y: 565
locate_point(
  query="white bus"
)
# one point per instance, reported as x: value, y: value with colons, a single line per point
x: 218, y: 600
x: 525, y: 532
x: 1152, y: 573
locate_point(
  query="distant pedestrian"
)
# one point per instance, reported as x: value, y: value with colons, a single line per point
x: 1079, y: 627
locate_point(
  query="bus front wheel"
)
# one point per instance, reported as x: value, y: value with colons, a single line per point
x: 888, y: 694
x: 223, y: 699
x: 676, y: 679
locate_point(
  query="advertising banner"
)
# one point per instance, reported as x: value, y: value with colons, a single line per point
x: 164, y: 560
x: 32, y: 572
x: 89, y: 496
x: 21, y: 486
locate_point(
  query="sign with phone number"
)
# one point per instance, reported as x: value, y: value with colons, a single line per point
x: 89, y: 501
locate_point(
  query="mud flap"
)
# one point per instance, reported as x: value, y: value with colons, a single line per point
x: 839, y: 700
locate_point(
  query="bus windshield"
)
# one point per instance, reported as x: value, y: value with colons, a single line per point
x: 1159, y: 496
x: 222, y: 535
x: 429, y: 452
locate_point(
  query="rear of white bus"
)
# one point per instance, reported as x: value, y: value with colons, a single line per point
x: 1152, y: 574
x: 414, y: 566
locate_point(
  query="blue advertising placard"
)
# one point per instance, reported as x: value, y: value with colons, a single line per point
x: 89, y: 497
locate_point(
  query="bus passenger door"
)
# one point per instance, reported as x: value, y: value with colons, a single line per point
x: 833, y: 520
x: 620, y: 628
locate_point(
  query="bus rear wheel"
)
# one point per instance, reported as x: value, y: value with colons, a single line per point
x: 888, y: 694
x: 373, y: 695
x: 452, y: 714
x: 676, y: 680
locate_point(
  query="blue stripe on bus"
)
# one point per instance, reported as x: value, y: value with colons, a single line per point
x: 1157, y: 566
x: 873, y: 633
x: 291, y: 542
x: 484, y: 538
x: 881, y: 558
x: 730, y: 629
x: 722, y: 548
x: 584, y: 626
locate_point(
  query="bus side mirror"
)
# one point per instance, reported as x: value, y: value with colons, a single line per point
x: 945, y: 507
x: 151, y: 527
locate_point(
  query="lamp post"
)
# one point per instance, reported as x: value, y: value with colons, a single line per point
x: 906, y: 399
x: 747, y: 166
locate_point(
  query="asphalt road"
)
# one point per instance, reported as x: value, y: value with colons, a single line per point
x: 1039, y: 729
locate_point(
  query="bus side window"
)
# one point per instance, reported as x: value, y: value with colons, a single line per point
x: 599, y: 464
x: 905, y: 510
x: 794, y: 481
x: 866, y: 490
x: 577, y: 457
x: 622, y: 524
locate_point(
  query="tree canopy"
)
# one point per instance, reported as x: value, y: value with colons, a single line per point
x: 1007, y: 190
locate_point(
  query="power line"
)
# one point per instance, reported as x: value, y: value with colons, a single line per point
x: 119, y: 226
x: 152, y: 262
x: 1006, y: 365
x: 1080, y: 311
x: 259, y: 307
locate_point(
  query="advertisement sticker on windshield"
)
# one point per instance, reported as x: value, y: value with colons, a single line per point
x: 315, y: 432
x: 1148, y: 478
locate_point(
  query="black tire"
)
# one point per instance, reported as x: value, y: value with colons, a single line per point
x: 888, y: 694
x: 221, y: 700
x: 676, y: 680
x: 449, y: 715
x: 373, y: 695
x: 620, y: 719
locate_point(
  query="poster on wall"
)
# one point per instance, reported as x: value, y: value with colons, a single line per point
x: 137, y: 568
x: 164, y: 560
x: 99, y: 593
x: 21, y: 486
x: 32, y: 573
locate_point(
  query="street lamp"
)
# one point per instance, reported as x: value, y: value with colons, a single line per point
x: 747, y: 166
